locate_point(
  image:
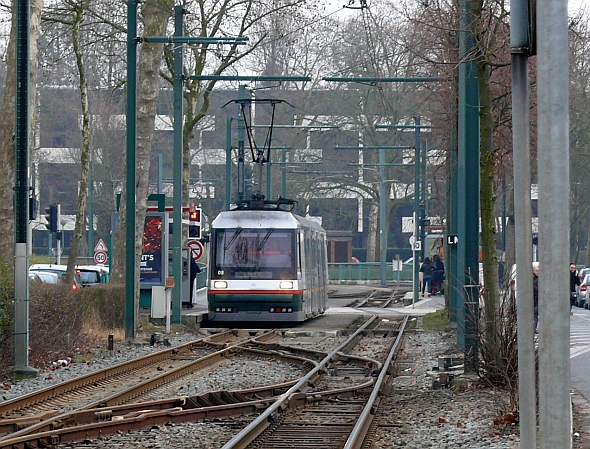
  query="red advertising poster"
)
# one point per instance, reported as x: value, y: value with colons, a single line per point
x: 151, y: 258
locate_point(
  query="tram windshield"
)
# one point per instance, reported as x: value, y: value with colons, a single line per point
x: 254, y: 254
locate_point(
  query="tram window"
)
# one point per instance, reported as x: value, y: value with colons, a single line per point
x: 257, y: 249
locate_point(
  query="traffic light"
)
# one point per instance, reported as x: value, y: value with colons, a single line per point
x: 51, y: 217
x: 194, y: 228
x: 195, y: 216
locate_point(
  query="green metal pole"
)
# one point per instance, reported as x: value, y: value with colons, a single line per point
x: 452, y: 220
x: 177, y: 200
x: 423, y: 201
x: 160, y: 174
x: 416, y: 204
x: 269, y: 177
x: 91, y: 210
x: 284, y: 174
x: 468, y: 197
x: 241, y: 139
x: 130, y: 219
x: 382, y: 224
x: 228, y: 182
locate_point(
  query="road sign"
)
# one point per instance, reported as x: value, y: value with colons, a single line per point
x: 100, y: 257
x: 196, y: 248
x: 100, y: 246
x: 452, y: 239
x: 417, y: 246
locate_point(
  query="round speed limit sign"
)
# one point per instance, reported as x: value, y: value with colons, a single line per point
x: 100, y: 257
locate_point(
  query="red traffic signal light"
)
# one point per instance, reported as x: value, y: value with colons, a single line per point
x: 195, y: 215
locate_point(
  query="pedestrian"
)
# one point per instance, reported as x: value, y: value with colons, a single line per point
x: 427, y: 271
x: 536, y: 295
x: 438, y: 275
x: 574, y: 283
x: 195, y: 269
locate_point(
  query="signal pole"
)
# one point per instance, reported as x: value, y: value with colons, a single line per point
x: 58, y: 235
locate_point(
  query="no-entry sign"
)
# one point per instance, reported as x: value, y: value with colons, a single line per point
x: 196, y: 248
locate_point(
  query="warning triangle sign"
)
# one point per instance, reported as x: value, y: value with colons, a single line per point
x: 100, y: 246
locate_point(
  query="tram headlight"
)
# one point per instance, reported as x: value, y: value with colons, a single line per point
x: 219, y: 284
x: 286, y: 285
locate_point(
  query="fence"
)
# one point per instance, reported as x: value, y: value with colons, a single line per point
x: 364, y: 272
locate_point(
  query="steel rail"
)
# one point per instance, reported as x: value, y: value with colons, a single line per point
x: 126, y: 394
x: 252, y: 430
x: 101, y: 422
x: 107, y: 373
x: 359, y: 431
x: 207, y: 405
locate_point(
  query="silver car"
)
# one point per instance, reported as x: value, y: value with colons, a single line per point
x: 583, y: 292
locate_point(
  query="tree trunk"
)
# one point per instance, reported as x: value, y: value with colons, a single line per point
x: 156, y: 14
x: 8, y: 114
x: 372, y: 233
x: 85, y: 152
x: 487, y: 203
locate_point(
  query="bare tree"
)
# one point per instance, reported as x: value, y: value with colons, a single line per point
x: 73, y: 16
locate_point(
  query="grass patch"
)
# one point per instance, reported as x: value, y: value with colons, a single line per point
x: 438, y: 320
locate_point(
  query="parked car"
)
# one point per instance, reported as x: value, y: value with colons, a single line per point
x: 512, y: 279
x: 583, y: 272
x: 44, y: 277
x: 93, y: 274
x: 60, y: 270
x: 583, y: 291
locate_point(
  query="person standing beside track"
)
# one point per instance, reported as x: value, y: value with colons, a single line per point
x: 438, y: 275
x: 426, y: 270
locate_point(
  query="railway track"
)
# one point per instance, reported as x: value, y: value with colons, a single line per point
x: 332, y: 419
x: 382, y: 299
x: 340, y: 379
x: 123, y: 383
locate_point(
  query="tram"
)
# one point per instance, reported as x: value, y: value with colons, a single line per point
x: 266, y: 264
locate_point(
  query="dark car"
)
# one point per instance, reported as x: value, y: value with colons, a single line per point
x: 92, y: 275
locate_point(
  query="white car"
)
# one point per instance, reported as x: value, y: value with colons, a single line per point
x: 44, y: 277
x: 512, y: 279
x: 60, y: 270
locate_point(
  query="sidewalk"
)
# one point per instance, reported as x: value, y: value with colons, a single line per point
x: 424, y: 305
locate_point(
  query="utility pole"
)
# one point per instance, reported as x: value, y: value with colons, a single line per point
x: 467, y: 218
x: 554, y: 224
x: 21, y: 194
x: 521, y: 46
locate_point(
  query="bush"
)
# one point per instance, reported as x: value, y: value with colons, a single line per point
x: 107, y: 303
x: 62, y: 322
x: 6, y: 323
x: 56, y: 320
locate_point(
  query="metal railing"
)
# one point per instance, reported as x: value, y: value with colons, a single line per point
x: 363, y: 272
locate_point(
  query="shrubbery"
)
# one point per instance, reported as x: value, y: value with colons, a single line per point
x: 62, y: 323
